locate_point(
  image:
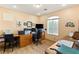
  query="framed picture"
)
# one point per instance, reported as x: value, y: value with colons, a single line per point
x: 25, y: 23
x: 70, y: 24
x: 29, y: 24
x: 19, y: 22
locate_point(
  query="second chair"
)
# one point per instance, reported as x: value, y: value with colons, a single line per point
x: 9, y: 41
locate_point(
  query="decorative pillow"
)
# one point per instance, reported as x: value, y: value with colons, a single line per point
x: 76, y: 35
x: 77, y: 43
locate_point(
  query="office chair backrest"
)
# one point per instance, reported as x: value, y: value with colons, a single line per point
x: 9, y: 37
x: 39, y: 33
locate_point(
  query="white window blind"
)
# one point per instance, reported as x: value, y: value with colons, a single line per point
x: 52, y: 25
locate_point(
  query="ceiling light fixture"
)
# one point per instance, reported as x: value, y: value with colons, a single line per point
x: 45, y: 9
x: 37, y: 5
x: 64, y: 4
x: 14, y: 6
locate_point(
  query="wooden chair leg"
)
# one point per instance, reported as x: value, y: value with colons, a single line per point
x: 4, y: 47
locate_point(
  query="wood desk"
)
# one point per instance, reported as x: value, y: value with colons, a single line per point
x: 25, y: 40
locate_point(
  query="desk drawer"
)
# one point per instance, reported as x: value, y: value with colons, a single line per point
x: 25, y: 40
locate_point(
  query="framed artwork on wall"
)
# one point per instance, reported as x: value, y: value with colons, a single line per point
x: 28, y: 23
x: 25, y: 23
x: 70, y: 24
x: 19, y: 22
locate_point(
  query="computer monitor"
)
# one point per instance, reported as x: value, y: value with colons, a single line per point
x: 39, y: 26
x: 20, y: 32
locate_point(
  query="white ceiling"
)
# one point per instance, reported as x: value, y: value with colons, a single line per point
x: 29, y: 8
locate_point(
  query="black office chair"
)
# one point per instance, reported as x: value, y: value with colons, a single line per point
x: 37, y: 36
x: 17, y: 42
x: 9, y: 41
x: 34, y: 35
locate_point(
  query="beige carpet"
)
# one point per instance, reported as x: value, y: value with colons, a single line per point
x: 30, y: 49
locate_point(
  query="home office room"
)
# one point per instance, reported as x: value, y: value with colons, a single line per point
x: 39, y: 29
x: 43, y: 29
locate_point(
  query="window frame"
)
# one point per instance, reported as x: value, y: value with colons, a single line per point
x: 51, y: 19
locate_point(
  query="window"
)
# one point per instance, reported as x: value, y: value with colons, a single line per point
x: 52, y: 25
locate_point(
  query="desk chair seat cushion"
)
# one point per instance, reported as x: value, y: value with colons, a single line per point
x: 9, y: 37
